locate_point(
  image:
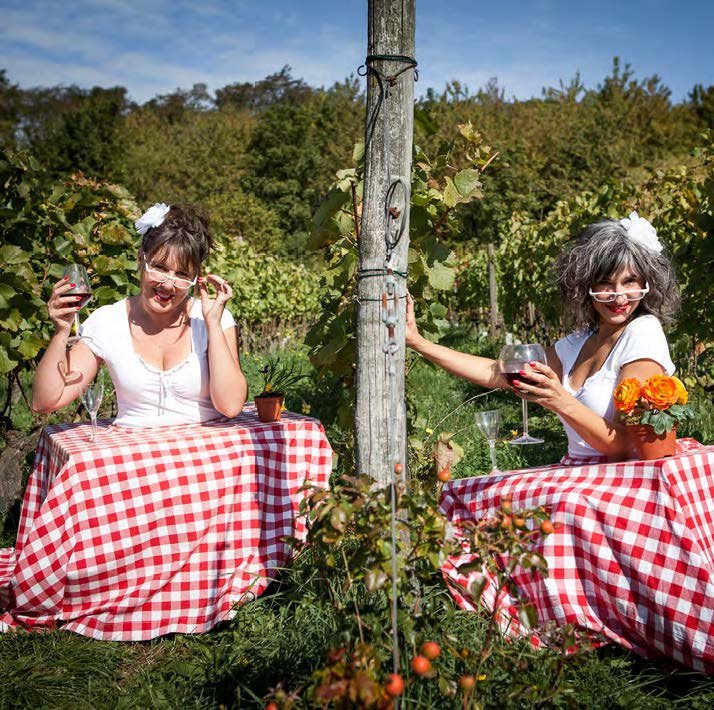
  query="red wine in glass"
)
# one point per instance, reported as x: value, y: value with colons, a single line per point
x: 83, y: 298
x: 511, y: 377
x: 511, y: 361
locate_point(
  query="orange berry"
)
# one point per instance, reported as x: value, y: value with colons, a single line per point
x: 421, y: 665
x: 431, y: 649
x: 398, y: 468
x: 547, y: 527
x: 444, y: 475
x: 271, y: 706
x: 395, y: 685
x: 519, y: 521
x: 506, y: 506
x: 506, y: 522
x: 467, y: 683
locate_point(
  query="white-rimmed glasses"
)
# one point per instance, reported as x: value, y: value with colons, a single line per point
x: 635, y: 294
x: 161, y: 276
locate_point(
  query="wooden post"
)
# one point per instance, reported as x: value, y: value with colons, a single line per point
x: 380, y: 417
x: 495, y: 319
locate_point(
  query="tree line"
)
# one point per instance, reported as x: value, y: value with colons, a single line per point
x: 261, y: 156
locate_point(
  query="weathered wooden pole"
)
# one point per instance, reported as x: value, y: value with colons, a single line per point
x: 380, y: 415
x: 494, y: 317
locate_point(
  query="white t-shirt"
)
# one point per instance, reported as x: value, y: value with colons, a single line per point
x: 146, y: 396
x: 643, y: 339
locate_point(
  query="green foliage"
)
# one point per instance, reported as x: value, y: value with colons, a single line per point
x: 198, y: 159
x: 438, y: 190
x: 57, y: 669
x: 571, y: 140
x: 279, y: 376
x: 69, y: 129
x: 294, y: 149
x: 259, y: 160
x: 275, y: 88
x: 266, y: 287
x: 350, y: 551
x: 43, y: 228
x: 679, y: 204
x: 46, y: 225
x: 281, y: 645
x: 10, y: 103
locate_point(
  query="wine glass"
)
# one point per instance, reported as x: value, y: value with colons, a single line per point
x: 76, y: 274
x: 92, y: 399
x: 511, y: 361
x: 488, y: 423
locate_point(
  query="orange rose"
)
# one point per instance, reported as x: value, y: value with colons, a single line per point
x: 660, y: 391
x: 682, y: 394
x: 626, y: 395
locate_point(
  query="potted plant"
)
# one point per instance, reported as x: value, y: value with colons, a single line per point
x: 278, y: 378
x: 651, y: 410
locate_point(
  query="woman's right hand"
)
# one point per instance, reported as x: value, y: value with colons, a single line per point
x: 62, y: 305
x: 411, y: 330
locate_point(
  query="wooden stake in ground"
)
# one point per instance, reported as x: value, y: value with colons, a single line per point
x: 494, y: 317
x: 380, y: 415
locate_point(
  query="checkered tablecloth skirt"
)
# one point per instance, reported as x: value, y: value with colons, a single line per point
x: 153, y: 531
x: 631, y: 560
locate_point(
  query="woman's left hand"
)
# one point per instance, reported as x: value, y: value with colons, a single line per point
x: 539, y: 383
x: 213, y: 307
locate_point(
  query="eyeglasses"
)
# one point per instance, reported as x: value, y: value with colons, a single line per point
x: 161, y: 276
x: 636, y: 294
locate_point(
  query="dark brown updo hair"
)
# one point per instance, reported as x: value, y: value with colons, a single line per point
x: 185, y: 232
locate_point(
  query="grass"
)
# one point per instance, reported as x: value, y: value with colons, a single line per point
x: 283, y: 638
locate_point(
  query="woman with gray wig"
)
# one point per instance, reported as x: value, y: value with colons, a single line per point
x: 617, y: 288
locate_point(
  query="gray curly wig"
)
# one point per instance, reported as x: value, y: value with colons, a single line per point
x: 600, y: 251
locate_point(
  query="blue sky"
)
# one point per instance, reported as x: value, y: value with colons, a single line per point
x: 155, y: 46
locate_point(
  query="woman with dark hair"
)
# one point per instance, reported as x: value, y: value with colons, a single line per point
x: 617, y: 288
x: 173, y: 358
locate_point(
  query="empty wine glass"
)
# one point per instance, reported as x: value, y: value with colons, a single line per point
x: 92, y: 399
x: 511, y: 361
x: 76, y: 274
x: 488, y: 424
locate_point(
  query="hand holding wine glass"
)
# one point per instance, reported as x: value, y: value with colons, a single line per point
x: 512, y: 360
x: 81, y: 291
x: 92, y: 400
x: 488, y: 424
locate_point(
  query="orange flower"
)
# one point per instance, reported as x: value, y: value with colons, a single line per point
x: 660, y: 391
x: 682, y: 395
x: 626, y: 395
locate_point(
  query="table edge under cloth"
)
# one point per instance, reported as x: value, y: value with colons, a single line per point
x: 36, y: 576
x: 664, y: 606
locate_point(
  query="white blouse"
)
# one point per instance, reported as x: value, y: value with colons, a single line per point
x: 642, y: 339
x: 147, y: 396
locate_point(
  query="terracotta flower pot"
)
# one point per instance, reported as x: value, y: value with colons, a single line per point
x: 269, y: 408
x: 649, y: 445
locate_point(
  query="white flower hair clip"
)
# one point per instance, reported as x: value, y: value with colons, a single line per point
x: 641, y: 231
x: 153, y: 217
